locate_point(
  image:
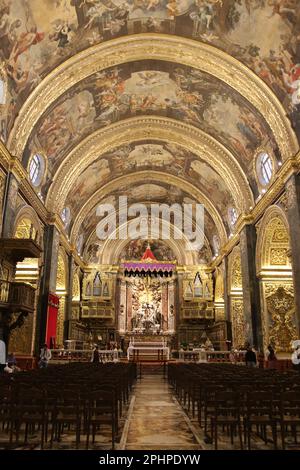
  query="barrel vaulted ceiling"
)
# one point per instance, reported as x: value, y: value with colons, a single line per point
x: 168, y: 100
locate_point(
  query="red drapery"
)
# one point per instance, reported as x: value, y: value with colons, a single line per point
x: 52, y: 312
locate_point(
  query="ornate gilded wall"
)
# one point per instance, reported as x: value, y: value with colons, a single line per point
x: 276, y: 285
x: 279, y: 314
x: 236, y: 299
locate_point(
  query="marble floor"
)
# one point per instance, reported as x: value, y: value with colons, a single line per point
x: 156, y: 420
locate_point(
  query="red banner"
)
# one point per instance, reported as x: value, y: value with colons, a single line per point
x: 52, y: 312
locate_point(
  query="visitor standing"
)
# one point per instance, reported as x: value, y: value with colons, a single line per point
x: 95, y: 355
x: 2, y: 356
x: 250, y: 357
x: 45, y: 357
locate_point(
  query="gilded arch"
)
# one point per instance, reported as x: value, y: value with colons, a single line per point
x: 112, y: 249
x: 276, y: 285
x: 273, y: 240
x: 158, y: 47
x: 31, y: 228
x: 140, y: 176
x: 135, y: 129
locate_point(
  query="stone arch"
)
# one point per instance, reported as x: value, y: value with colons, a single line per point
x: 273, y: 244
x: 140, y: 176
x: 275, y: 281
x: 138, y: 129
x: 27, y: 224
x: 158, y: 47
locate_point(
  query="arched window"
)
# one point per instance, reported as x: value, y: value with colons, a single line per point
x: 88, y: 291
x: 232, y: 216
x: 97, y: 286
x: 2, y: 91
x: 36, y: 169
x: 216, y: 244
x: 65, y: 216
x: 105, y: 290
x: 264, y: 168
x: 79, y: 243
x: 198, y: 286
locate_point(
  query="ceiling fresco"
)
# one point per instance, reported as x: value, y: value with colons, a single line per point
x: 149, y: 192
x: 38, y: 35
x: 139, y: 88
x: 135, y: 249
x: 169, y: 158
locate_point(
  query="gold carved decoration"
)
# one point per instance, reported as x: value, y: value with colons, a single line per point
x: 139, y: 176
x: 219, y: 287
x: 273, y: 240
x: 278, y: 256
x: 61, y: 272
x: 20, y: 338
x: 25, y: 229
x: 2, y: 187
x: 75, y: 287
x: 140, y: 128
x: 61, y: 284
x: 60, y: 321
x: 157, y: 47
x: 281, y: 310
x: 280, y: 235
x: 238, y: 323
x: 236, y: 273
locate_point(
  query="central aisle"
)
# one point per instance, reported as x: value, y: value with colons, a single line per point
x: 156, y: 421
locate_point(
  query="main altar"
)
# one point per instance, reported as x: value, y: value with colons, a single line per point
x: 147, y: 301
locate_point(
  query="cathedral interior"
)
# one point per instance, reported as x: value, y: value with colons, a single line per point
x: 160, y: 102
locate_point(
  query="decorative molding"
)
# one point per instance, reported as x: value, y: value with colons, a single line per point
x: 273, y: 234
x: 142, y: 176
x: 157, y: 47
x: 154, y: 128
x: 5, y: 157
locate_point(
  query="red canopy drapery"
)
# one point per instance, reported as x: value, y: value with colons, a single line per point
x: 148, y: 255
x: 52, y: 312
x: 148, y: 265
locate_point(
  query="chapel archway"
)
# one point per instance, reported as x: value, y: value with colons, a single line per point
x: 276, y: 284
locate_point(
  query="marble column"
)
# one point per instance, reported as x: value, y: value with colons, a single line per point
x: 48, y: 280
x: 251, y: 298
x: 293, y: 213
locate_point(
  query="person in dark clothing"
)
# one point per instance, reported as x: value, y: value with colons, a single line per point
x: 250, y: 357
x: 96, y: 356
x: 271, y: 355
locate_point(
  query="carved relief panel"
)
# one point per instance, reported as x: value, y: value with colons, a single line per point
x: 238, y: 323
x: 280, y: 312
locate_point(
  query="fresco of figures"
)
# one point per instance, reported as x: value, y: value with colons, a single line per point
x: 136, y: 248
x: 169, y: 158
x: 91, y: 246
x: 148, y: 192
x: 37, y: 35
x: 178, y: 92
